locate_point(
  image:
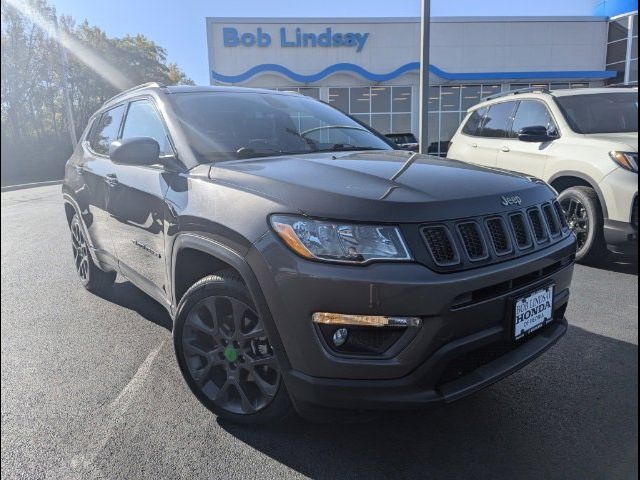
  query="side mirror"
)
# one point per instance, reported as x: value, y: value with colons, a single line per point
x: 135, y: 151
x: 537, y: 133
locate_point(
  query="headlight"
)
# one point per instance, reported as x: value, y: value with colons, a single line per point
x: 627, y: 160
x: 340, y: 242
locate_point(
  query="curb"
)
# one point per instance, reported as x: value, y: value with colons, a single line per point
x: 9, y: 188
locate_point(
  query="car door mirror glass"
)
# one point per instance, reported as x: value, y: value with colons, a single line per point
x: 537, y: 133
x: 135, y: 151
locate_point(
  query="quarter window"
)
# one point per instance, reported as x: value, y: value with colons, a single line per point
x: 143, y: 121
x: 495, y: 123
x: 471, y: 127
x: 107, y: 130
x: 532, y: 114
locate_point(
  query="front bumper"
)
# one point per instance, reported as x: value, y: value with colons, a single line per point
x: 431, y: 383
x: 463, y: 313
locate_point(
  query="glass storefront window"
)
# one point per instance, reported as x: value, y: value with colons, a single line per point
x: 359, y: 100
x: 401, y: 101
x: 401, y: 123
x: 434, y: 99
x: 339, y: 98
x: 618, y: 29
x: 617, y: 52
x: 380, y: 99
x: 470, y: 95
x: 381, y: 122
x: 622, y: 50
x: 450, y: 99
x: 386, y: 109
x: 490, y: 90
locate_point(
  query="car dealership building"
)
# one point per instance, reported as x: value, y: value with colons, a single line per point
x: 369, y: 67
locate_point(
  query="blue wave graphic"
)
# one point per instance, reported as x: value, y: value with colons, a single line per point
x: 412, y: 66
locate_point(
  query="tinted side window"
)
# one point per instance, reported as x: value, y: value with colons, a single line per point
x: 471, y: 127
x: 143, y: 121
x: 532, y: 114
x: 107, y: 130
x: 496, y: 122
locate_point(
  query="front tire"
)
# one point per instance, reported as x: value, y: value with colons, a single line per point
x: 225, y: 354
x: 92, y: 277
x: 583, y: 212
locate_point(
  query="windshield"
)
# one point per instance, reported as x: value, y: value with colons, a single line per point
x: 601, y: 112
x: 235, y: 125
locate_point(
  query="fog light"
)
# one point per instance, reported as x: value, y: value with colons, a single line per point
x: 364, y: 320
x: 340, y: 337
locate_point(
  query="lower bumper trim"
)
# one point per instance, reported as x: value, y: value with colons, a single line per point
x: 419, y: 389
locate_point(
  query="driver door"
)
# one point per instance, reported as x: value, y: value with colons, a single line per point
x: 137, y: 205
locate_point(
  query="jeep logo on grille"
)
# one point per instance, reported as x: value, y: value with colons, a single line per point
x: 508, y: 200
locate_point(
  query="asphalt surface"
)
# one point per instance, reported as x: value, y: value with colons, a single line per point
x: 91, y: 389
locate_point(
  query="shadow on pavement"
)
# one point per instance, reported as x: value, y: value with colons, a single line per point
x: 627, y: 264
x: 127, y: 295
x: 567, y: 415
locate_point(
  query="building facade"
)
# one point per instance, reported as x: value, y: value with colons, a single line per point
x: 369, y: 68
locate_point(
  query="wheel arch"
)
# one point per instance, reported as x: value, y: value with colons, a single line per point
x: 563, y: 180
x: 224, y: 258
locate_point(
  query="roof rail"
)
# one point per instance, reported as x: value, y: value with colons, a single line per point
x: 133, y: 89
x: 517, y: 92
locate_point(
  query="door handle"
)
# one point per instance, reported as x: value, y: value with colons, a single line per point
x: 505, y: 149
x: 111, y: 179
x: 474, y: 145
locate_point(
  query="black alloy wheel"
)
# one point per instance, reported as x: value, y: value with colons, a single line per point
x: 225, y: 354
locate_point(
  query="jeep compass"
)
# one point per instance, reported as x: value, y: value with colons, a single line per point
x: 306, y: 263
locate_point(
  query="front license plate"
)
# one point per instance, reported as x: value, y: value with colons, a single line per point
x: 533, y: 311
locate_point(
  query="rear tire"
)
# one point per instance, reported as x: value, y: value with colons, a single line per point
x: 225, y: 354
x: 583, y: 212
x: 93, y: 278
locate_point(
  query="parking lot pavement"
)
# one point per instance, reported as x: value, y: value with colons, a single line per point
x: 90, y: 388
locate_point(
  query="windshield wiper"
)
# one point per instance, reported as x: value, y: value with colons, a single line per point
x: 339, y: 147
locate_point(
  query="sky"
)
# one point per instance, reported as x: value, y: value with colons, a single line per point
x: 179, y: 27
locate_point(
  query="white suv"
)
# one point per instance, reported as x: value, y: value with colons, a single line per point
x: 583, y: 142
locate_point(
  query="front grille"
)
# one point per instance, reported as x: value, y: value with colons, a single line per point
x: 520, y: 230
x: 463, y: 244
x: 560, y: 213
x: 472, y: 241
x: 499, y: 236
x: 440, y: 245
x: 552, y: 221
x: 537, y: 224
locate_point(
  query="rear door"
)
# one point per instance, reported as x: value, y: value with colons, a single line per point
x: 136, y: 205
x: 94, y: 170
x: 482, y: 134
x: 527, y: 157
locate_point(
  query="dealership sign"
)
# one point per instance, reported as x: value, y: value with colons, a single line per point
x: 295, y: 38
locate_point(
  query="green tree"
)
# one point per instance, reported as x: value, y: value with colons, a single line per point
x: 34, y: 133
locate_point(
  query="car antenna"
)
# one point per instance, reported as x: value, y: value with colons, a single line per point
x: 405, y: 166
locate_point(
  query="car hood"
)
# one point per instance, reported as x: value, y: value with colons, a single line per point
x: 617, y: 141
x: 358, y: 186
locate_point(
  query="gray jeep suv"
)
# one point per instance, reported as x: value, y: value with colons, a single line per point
x: 306, y: 263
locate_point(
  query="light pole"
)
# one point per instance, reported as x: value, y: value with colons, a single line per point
x: 424, y: 75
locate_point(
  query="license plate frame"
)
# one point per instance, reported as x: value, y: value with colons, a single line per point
x: 540, y: 298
